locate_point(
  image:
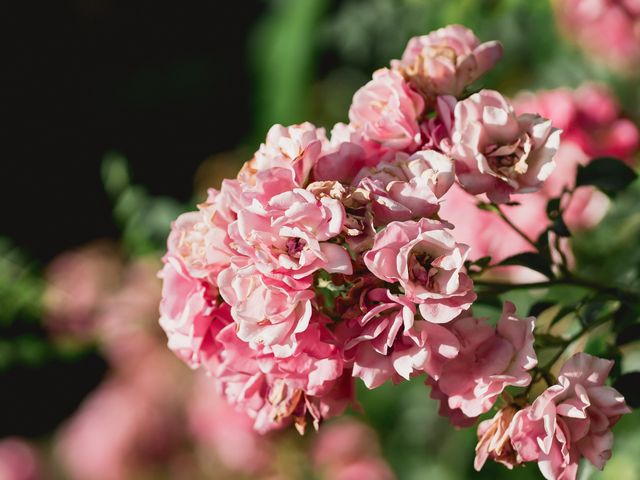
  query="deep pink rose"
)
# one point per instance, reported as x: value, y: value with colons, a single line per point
x: 571, y: 419
x: 497, y: 152
x: 190, y: 313
x: 424, y: 258
x: 286, y: 237
x: 489, y: 360
x: 387, y: 342
x: 446, y: 61
x: 275, y: 391
x: 266, y: 315
x: 387, y: 111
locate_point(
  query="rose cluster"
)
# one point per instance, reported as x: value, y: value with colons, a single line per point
x: 327, y: 258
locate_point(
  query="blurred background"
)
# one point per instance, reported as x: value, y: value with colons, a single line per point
x: 119, y: 116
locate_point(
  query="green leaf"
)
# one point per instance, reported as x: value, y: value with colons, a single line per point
x: 531, y: 260
x: 563, y: 312
x: 627, y: 385
x: 608, y: 174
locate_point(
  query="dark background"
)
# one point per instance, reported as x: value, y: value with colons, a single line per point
x: 164, y: 84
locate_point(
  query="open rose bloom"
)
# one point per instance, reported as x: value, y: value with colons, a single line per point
x: 342, y: 257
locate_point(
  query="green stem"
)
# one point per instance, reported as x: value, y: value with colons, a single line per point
x: 514, y: 227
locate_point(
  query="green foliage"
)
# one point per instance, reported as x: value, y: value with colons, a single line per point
x: 608, y: 174
x: 145, y: 220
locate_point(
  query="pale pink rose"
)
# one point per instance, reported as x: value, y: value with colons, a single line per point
x: 200, y: 240
x: 276, y: 391
x: 220, y: 429
x: 428, y: 263
x: 349, y: 450
x: 347, y: 153
x: 570, y: 420
x: 606, y: 29
x: 494, y: 440
x: 446, y: 61
x: 387, y: 342
x: 77, y: 282
x: 295, y: 148
x: 409, y: 187
x: 266, y: 315
x: 497, y: 152
x: 286, y: 237
x: 387, y: 111
x: 437, y: 129
x: 19, y: 460
x: 489, y: 360
x: 190, y: 313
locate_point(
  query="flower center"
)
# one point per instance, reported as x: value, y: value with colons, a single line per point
x: 295, y: 246
x: 421, y: 269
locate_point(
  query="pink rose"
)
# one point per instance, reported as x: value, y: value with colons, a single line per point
x: 571, y: 419
x: 446, y: 61
x: 489, y: 360
x: 424, y: 258
x: 387, y: 342
x: 497, y: 152
x: 200, y: 240
x: 407, y: 187
x: 275, y: 391
x: 286, y: 237
x: 295, y: 148
x: 190, y: 313
x: 266, y: 315
x: 387, y: 111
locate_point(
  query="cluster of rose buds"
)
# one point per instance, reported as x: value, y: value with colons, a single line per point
x: 327, y: 260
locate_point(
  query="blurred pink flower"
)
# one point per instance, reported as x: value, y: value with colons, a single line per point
x: 446, y: 61
x: 497, y: 152
x: 489, y: 360
x: 387, y: 111
x: 606, y: 29
x: 19, y: 460
x: 125, y: 427
x: 349, y: 450
x: 428, y: 263
x: 77, y: 282
x: 571, y: 419
x: 220, y: 429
